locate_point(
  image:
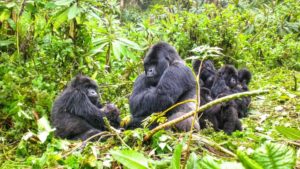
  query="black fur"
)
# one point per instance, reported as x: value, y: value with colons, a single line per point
x: 212, y: 114
x: 225, y: 80
x: 166, y: 81
x: 244, y: 77
x: 208, y: 72
x: 77, y: 113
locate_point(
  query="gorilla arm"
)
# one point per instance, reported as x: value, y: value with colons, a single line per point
x: 85, y: 109
x: 176, y: 80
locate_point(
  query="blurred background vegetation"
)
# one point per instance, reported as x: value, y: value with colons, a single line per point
x: 44, y: 43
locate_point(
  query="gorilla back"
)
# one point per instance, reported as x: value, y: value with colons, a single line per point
x: 166, y: 81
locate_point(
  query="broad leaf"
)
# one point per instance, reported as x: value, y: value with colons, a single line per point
x: 73, y: 12
x: 60, y: 18
x: 275, y: 156
x: 63, y: 2
x: 247, y: 162
x: 290, y: 133
x: 193, y: 162
x: 208, y: 162
x: 131, y: 159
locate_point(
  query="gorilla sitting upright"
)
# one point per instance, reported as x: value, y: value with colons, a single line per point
x: 166, y: 81
x: 77, y: 113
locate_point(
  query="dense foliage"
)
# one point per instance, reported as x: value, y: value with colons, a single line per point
x: 43, y: 44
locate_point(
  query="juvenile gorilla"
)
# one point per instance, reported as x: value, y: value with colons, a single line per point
x: 225, y: 80
x: 208, y: 72
x: 225, y: 83
x: 212, y: 114
x: 77, y: 113
x: 166, y: 81
x: 244, y: 77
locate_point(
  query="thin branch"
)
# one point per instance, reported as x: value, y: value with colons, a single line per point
x: 198, y: 103
x: 203, y: 108
x: 113, y: 130
x: 214, y: 144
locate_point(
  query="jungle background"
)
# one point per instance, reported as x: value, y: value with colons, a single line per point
x: 44, y: 44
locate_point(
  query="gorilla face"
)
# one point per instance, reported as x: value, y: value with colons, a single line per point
x: 155, y: 64
x: 230, y: 75
x: 93, y: 95
x: 88, y: 86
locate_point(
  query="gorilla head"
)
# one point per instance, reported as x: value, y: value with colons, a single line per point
x: 157, y: 60
x: 230, y: 75
x: 244, y: 77
x: 208, y: 72
x: 87, y: 86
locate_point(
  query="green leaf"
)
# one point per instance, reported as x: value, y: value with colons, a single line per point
x: 275, y: 156
x: 60, y: 18
x: 131, y: 159
x: 193, y: 162
x: 209, y: 162
x: 73, y: 11
x: 129, y: 43
x: 63, y: 2
x: 117, y: 49
x: 247, y: 162
x: 6, y: 42
x: 175, y: 163
x: 290, y: 133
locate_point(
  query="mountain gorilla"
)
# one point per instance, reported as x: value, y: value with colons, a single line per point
x: 77, y: 113
x: 211, y: 114
x: 244, y: 77
x: 207, y: 73
x: 166, y: 81
x: 225, y: 80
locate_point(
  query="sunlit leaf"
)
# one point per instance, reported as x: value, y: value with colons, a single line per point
x: 63, y: 2
x: 247, y: 162
x: 6, y: 42
x: 73, y: 11
x: 275, y: 156
x: 208, y: 162
x: 60, y: 18
x: 131, y: 159
x: 129, y: 43
x: 193, y: 162
x: 175, y: 163
x: 290, y: 133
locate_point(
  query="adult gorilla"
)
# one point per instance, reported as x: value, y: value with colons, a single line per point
x: 166, y: 81
x: 77, y: 113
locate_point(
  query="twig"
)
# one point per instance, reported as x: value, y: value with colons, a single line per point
x: 198, y: 102
x: 113, y: 130
x: 203, y: 108
x: 84, y: 142
x: 216, y: 145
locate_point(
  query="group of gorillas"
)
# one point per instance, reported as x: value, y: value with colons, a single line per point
x: 78, y: 114
x: 219, y: 83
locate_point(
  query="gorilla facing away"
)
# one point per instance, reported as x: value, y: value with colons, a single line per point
x: 207, y: 73
x: 165, y: 82
x: 77, y: 113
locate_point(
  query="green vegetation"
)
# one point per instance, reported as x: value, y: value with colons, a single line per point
x: 44, y: 43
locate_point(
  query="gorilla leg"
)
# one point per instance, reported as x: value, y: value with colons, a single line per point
x: 186, y: 124
x: 74, y: 127
x: 87, y: 135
